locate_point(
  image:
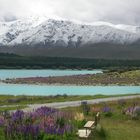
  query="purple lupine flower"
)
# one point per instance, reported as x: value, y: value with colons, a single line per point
x: 60, y: 131
x: 106, y: 109
x: 32, y: 124
x: 130, y: 109
x: 2, y: 121
x: 18, y: 115
x: 45, y: 111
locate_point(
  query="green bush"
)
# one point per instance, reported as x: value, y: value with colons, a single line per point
x: 60, y: 122
x: 56, y: 137
x: 80, y: 124
x: 85, y: 107
x: 108, y: 114
x: 100, y: 131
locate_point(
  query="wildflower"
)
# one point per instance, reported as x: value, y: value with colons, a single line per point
x: 2, y: 121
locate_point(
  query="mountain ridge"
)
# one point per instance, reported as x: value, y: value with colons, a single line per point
x: 41, y: 31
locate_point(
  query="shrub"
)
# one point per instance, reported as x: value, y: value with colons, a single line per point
x: 107, y: 111
x: 80, y: 123
x: 79, y: 116
x: 60, y: 122
x: 136, y: 114
x: 122, y: 102
x: 85, y: 107
x: 138, y: 111
x: 100, y: 131
x: 51, y: 137
x: 95, y: 110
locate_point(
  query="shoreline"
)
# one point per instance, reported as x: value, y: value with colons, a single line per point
x: 59, y: 84
x: 125, y: 78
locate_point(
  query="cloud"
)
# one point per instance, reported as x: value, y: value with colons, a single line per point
x: 115, y: 11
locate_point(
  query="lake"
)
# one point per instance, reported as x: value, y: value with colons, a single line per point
x: 43, y: 73
x: 23, y: 89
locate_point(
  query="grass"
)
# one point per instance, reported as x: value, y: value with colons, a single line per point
x: 116, y: 127
x: 2, y: 109
x: 1, y: 134
x: 25, y: 100
x: 121, y: 130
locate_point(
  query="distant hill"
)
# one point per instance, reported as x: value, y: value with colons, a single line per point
x: 102, y: 51
x: 12, y: 61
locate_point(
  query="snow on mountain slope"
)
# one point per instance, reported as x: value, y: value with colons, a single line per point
x: 48, y: 32
x: 11, y: 30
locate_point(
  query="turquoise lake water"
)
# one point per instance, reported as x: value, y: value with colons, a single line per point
x: 22, y: 89
x: 11, y: 89
x: 43, y: 73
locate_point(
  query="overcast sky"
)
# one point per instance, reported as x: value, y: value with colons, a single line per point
x: 115, y: 11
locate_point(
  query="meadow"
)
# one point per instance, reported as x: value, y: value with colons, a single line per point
x: 119, y: 120
x: 22, y: 100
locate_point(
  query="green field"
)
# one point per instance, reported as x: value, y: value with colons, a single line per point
x: 113, y: 125
x: 118, y: 126
x: 25, y: 100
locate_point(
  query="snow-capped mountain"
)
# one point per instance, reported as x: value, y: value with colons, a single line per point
x: 53, y: 33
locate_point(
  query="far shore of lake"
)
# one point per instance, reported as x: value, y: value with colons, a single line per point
x: 126, y: 78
